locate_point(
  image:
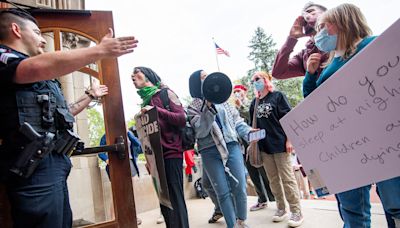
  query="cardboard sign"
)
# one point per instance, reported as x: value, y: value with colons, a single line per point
x: 148, y: 131
x: 347, y: 131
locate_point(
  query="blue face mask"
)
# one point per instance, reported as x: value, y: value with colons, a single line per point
x: 259, y: 85
x: 324, y: 41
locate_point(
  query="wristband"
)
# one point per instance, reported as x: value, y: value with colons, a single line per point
x: 90, y: 95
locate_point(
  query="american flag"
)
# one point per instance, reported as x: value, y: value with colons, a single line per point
x: 221, y: 51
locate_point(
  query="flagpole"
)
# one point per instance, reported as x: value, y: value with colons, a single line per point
x: 216, y: 54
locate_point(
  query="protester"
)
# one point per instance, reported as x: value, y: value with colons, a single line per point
x: 216, y: 127
x: 206, y: 183
x: 241, y: 101
x: 170, y: 121
x: 288, y: 67
x: 301, y: 178
x: 28, y: 74
x: 276, y: 148
x: 134, y: 150
x: 257, y: 175
x: 190, y: 164
x: 344, y: 32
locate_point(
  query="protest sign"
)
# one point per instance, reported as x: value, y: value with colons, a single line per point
x: 148, y: 131
x: 347, y: 131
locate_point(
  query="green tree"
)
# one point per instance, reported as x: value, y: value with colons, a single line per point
x: 96, y: 126
x: 131, y: 122
x: 292, y: 88
x: 186, y: 101
x: 263, y: 51
x: 262, y: 54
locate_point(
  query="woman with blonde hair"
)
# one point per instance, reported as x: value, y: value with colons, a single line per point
x: 269, y: 107
x: 343, y: 31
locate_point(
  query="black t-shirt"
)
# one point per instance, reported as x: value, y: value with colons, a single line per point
x: 270, y: 110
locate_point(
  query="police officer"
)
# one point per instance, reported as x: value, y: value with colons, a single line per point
x: 30, y: 93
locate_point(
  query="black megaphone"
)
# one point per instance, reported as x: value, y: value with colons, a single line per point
x: 217, y: 88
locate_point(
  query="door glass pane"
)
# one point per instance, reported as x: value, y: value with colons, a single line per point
x: 89, y: 184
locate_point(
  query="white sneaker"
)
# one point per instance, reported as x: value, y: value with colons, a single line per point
x: 258, y: 206
x: 160, y: 219
x: 296, y: 219
x: 241, y: 224
x: 279, y: 216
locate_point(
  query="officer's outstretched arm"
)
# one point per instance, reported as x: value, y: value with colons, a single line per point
x: 55, y: 64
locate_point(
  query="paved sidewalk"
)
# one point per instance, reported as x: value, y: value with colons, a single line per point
x: 317, y: 213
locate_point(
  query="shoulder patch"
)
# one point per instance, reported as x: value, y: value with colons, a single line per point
x: 5, y: 57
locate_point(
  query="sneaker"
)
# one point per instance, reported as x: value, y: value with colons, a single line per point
x: 279, y: 216
x: 160, y: 219
x: 296, y: 219
x: 241, y: 224
x: 215, y: 217
x: 258, y: 206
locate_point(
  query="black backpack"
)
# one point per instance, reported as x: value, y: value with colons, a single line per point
x: 188, y: 136
x: 199, y: 189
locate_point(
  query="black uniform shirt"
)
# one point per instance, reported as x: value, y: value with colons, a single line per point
x: 9, y: 61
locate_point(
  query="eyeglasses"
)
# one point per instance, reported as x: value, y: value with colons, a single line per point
x: 255, y: 80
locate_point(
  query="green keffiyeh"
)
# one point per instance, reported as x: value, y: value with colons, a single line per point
x: 147, y: 92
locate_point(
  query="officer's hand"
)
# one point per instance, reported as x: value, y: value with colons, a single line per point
x: 115, y: 47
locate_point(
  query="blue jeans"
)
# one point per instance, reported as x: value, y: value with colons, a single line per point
x: 232, y: 196
x: 42, y: 200
x: 355, y: 206
x: 210, y: 191
x: 389, y: 192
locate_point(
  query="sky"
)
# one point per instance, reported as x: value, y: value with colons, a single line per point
x: 176, y: 36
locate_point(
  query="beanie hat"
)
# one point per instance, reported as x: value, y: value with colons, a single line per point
x: 150, y: 74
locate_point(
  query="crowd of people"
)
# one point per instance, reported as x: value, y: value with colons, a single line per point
x: 221, y: 130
